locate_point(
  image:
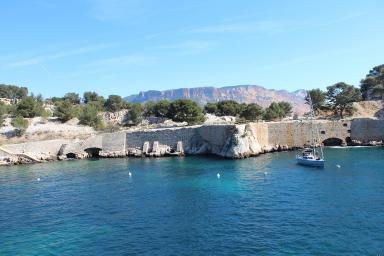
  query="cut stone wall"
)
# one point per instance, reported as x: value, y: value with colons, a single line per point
x: 192, y: 138
x: 298, y: 133
x: 367, y: 130
x: 49, y: 147
x: 113, y: 141
x: 231, y: 141
x: 168, y: 137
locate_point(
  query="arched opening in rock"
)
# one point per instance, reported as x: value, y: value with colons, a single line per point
x: 71, y: 155
x: 93, y: 152
x: 333, y: 142
x: 348, y: 140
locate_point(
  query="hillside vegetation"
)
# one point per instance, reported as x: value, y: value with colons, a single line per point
x: 91, y: 108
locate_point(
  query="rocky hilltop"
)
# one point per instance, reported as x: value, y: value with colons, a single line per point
x: 241, y: 93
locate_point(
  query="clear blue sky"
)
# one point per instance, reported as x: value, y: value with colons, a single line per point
x: 125, y: 46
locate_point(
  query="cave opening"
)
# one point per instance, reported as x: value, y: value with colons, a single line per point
x: 71, y: 155
x: 93, y: 152
x: 333, y: 142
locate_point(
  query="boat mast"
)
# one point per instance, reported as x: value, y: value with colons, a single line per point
x: 313, y: 117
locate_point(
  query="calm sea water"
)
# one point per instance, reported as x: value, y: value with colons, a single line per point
x: 177, y: 206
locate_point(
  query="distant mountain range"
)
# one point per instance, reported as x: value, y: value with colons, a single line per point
x: 240, y: 93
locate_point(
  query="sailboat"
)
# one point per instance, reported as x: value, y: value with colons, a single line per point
x: 312, y: 156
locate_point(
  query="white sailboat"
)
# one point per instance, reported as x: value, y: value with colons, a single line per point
x: 312, y: 156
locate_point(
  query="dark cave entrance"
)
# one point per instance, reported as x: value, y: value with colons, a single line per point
x: 71, y: 155
x: 93, y: 152
x: 333, y: 142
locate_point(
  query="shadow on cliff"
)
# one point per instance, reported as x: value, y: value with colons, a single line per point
x: 380, y: 114
x: 93, y: 152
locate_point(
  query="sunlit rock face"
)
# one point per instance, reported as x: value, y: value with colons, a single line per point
x: 240, y: 93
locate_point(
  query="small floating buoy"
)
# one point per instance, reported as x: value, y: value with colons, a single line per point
x: 265, y: 173
x: 130, y: 174
x: 338, y: 166
x: 38, y: 179
x: 218, y: 175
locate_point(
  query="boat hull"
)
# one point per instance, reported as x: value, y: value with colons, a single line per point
x: 310, y: 162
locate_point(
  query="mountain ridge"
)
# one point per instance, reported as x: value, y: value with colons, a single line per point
x: 240, y: 93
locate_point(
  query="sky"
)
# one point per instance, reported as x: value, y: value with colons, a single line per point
x: 126, y: 46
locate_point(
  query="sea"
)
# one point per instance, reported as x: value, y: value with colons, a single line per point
x: 196, y: 205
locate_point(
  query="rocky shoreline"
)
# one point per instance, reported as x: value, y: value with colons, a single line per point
x: 18, y: 160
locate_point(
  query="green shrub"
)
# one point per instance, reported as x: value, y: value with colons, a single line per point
x: 90, y: 96
x: 185, y: 110
x: 45, y: 115
x: 13, y: 92
x: 340, y: 98
x: 54, y: 100
x: 29, y: 107
x: 229, y: 108
x: 317, y: 98
x: 114, y: 103
x: 89, y: 116
x: 162, y: 108
x: 252, y: 112
x: 273, y: 112
x: 65, y: 110
x: 149, y: 109
x: 72, y: 97
x: 136, y: 113
x: 95, y: 99
x: 20, y: 124
x: 372, y: 87
x: 211, y: 108
x: 286, y: 107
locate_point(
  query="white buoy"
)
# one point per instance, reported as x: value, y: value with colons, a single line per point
x: 130, y: 174
x: 218, y: 175
x: 265, y: 173
x: 38, y: 179
x: 338, y: 166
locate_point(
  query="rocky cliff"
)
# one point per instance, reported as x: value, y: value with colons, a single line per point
x: 241, y: 93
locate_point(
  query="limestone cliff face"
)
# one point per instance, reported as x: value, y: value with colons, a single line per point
x: 241, y: 93
x: 244, y: 142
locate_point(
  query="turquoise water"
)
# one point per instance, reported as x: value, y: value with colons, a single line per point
x: 177, y: 206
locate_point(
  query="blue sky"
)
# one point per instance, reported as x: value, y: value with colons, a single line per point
x: 126, y: 46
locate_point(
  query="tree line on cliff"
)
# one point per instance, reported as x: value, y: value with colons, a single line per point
x: 87, y: 109
x: 181, y: 110
x: 340, y: 97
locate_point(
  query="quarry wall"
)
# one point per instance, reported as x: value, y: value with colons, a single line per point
x: 366, y: 130
x: 298, y: 133
x: 195, y: 139
x: 230, y: 140
x: 48, y: 147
